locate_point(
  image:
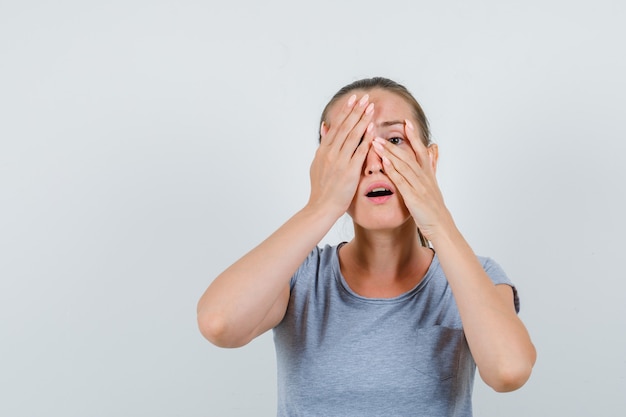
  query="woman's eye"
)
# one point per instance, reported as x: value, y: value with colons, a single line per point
x: 395, y: 140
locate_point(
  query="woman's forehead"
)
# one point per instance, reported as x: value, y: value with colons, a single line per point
x: 388, y: 105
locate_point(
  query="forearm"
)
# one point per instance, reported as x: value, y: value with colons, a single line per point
x: 498, y: 339
x: 242, y: 296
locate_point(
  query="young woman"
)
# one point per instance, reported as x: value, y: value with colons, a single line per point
x: 395, y: 321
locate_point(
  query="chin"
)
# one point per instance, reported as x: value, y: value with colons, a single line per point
x: 380, y: 221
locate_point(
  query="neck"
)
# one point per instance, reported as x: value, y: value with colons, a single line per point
x: 388, y: 255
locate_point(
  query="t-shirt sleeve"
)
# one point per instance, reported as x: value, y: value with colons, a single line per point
x: 499, y: 277
x: 311, y: 262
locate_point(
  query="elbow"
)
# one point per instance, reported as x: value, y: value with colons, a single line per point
x: 509, y: 379
x: 216, y: 329
x: 511, y: 376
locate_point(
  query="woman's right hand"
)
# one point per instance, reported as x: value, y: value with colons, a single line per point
x: 251, y: 296
x: 336, y: 169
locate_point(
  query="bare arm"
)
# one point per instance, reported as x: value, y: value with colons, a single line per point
x: 498, y: 340
x: 251, y: 296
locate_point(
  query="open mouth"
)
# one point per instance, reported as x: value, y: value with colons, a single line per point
x: 379, y: 192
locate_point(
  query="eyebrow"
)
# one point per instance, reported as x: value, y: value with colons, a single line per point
x: 391, y: 123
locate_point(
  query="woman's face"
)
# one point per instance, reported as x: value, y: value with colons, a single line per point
x: 377, y: 204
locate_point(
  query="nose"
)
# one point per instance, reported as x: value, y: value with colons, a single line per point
x: 373, y: 163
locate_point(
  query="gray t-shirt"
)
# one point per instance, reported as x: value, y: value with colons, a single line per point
x: 341, y: 354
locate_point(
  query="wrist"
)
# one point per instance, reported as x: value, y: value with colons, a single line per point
x: 324, y: 214
x: 323, y: 210
x: 445, y: 231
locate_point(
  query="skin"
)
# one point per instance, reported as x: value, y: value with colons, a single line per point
x: 370, y: 138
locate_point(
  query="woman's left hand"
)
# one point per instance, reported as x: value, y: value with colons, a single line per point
x: 497, y: 338
x: 412, y: 169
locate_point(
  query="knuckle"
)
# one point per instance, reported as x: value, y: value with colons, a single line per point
x: 399, y: 179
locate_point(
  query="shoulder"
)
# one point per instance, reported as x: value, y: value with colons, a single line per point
x: 320, y: 259
x: 494, y: 270
x: 499, y: 277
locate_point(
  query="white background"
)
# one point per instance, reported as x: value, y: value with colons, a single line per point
x: 146, y: 145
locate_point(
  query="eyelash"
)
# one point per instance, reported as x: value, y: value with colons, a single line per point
x: 396, y: 140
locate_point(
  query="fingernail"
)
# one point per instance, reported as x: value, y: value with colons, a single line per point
x: 370, y: 127
x: 409, y: 124
x: 352, y: 99
x: 386, y: 161
x: 364, y: 100
x: 379, y: 140
x: 378, y: 146
x: 369, y: 109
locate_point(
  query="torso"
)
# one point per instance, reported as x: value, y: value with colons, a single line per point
x: 343, y: 354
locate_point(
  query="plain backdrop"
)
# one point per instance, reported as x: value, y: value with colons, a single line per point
x: 146, y: 145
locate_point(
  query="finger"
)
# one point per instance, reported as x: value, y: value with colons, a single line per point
x: 350, y: 122
x: 415, y: 140
x: 404, y: 160
x: 403, y: 170
x: 346, y: 109
x: 403, y: 184
x: 363, y: 147
x: 357, y: 134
